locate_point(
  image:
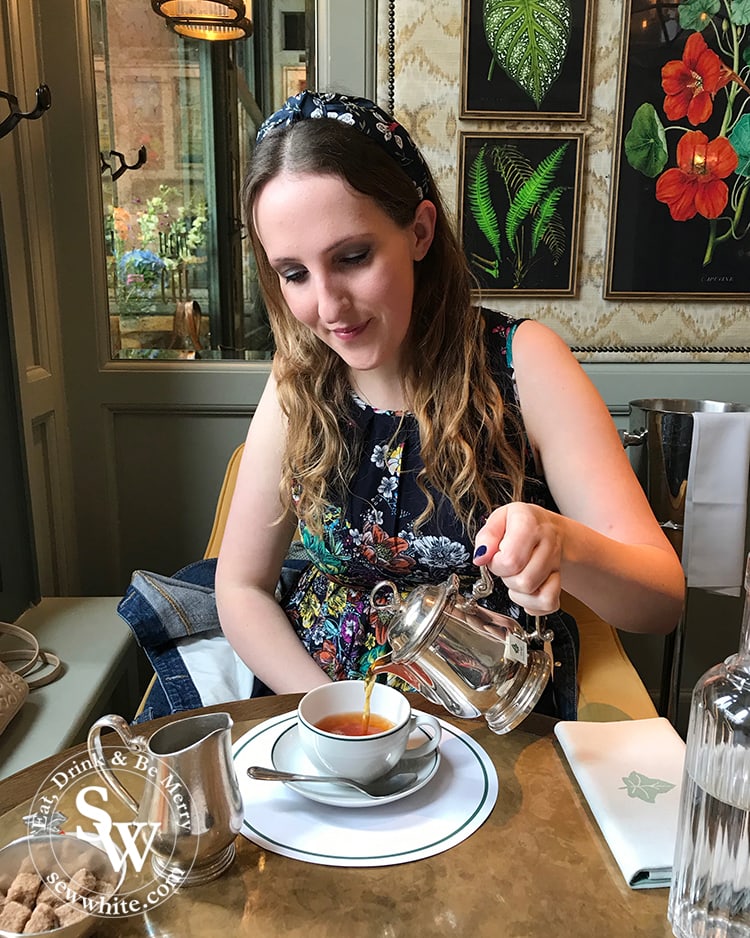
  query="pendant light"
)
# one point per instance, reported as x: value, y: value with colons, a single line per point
x: 205, y: 19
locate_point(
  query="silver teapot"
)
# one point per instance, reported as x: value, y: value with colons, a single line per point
x: 456, y: 653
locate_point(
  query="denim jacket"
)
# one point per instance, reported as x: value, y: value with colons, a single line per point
x: 167, y: 615
x: 161, y: 611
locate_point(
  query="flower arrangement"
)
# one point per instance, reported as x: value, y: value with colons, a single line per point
x: 140, y: 266
x: 707, y: 88
x: 152, y: 249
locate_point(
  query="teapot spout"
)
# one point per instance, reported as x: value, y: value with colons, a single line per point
x: 408, y: 671
x: 381, y: 665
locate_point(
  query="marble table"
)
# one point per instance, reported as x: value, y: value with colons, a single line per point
x: 538, y: 866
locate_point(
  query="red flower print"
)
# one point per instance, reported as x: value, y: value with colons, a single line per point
x: 695, y: 185
x: 378, y: 626
x: 380, y: 550
x: 690, y: 83
x: 327, y: 654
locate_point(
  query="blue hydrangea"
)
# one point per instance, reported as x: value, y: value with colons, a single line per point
x: 140, y: 266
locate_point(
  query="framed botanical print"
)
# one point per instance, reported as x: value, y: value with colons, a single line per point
x: 525, y: 58
x: 679, y: 221
x: 519, y: 211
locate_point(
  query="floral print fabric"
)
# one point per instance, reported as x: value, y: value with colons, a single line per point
x: 372, y: 538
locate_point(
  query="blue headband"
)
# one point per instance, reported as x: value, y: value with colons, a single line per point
x: 366, y: 117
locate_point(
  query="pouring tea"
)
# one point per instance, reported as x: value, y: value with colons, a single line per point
x: 362, y: 757
x: 459, y: 654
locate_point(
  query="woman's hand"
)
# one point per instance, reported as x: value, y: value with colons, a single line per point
x: 523, y: 545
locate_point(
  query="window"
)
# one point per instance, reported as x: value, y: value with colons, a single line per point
x: 177, y: 118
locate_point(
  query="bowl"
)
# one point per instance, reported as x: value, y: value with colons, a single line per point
x: 57, y: 856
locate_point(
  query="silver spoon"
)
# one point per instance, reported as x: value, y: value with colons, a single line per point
x: 380, y: 788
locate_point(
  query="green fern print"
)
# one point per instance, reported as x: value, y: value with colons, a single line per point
x: 484, y: 213
x: 532, y: 220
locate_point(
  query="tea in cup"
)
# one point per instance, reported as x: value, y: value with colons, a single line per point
x: 331, y: 734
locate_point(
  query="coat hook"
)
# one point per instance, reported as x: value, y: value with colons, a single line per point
x: 43, y: 103
x: 123, y: 167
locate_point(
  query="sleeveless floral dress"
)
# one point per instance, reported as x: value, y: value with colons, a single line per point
x: 372, y: 538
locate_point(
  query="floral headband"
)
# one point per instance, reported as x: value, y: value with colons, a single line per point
x: 362, y: 114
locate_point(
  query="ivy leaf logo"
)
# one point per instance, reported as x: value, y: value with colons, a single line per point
x: 641, y: 786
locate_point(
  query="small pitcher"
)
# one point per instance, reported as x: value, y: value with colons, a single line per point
x: 191, y: 805
x: 473, y: 661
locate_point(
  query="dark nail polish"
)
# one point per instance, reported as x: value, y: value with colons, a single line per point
x: 480, y: 551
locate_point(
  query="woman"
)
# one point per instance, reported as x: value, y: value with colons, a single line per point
x: 407, y: 433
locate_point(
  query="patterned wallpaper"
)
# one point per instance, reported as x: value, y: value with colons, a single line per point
x: 426, y: 96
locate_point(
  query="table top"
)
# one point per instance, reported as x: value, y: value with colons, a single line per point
x: 538, y: 866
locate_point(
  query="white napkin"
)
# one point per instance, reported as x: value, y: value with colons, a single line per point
x: 630, y: 773
x: 713, y: 545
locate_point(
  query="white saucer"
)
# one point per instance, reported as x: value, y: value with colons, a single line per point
x: 287, y: 756
x: 444, y: 813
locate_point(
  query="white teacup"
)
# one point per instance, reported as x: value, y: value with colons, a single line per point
x: 362, y: 758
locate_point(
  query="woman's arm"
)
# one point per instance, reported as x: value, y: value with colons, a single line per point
x: 250, y: 559
x: 606, y: 547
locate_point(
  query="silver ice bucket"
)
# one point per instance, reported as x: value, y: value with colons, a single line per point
x: 660, y: 437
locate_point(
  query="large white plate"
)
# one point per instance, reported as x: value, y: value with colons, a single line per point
x: 287, y: 755
x: 457, y: 800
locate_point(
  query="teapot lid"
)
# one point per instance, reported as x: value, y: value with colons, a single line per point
x: 412, y: 626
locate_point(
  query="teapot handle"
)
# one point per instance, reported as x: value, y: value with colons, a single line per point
x: 484, y: 586
x: 99, y: 760
x: 394, y: 604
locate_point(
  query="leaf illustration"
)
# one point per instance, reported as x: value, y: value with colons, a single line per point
x: 696, y: 14
x: 480, y: 201
x: 739, y: 11
x: 646, y: 142
x: 740, y: 140
x: 513, y: 165
x: 543, y: 216
x: 532, y: 192
x: 529, y: 40
x: 555, y: 238
x: 645, y: 788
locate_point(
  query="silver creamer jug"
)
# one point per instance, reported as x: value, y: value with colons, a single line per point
x: 191, y: 802
x: 456, y: 653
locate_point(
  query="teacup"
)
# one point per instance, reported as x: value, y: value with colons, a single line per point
x: 362, y: 758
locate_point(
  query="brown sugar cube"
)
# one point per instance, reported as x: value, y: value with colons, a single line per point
x: 50, y: 897
x: 68, y: 914
x: 83, y: 882
x: 14, y: 916
x: 43, y: 918
x: 104, y: 887
x: 24, y: 888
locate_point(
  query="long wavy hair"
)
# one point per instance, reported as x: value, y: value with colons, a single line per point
x: 465, y: 429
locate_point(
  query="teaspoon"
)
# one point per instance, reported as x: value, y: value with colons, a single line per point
x: 380, y: 788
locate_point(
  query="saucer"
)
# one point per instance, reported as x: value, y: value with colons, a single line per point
x: 287, y: 756
x: 444, y: 813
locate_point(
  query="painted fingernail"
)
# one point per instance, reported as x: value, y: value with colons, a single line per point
x: 480, y: 551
